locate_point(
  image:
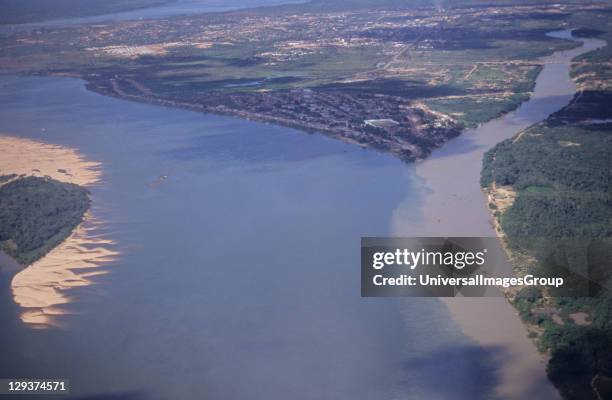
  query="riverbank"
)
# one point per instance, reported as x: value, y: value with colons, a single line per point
x: 420, y: 129
x: 42, y: 287
x: 500, y: 199
x: 454, y: 205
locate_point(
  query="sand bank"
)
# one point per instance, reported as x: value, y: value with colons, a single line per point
x: 42, y: 288
x: 32, y: 158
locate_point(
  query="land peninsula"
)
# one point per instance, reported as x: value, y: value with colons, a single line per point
x: 396, y: 79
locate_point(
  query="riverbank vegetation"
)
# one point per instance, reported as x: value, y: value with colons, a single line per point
x: 36, y: 214
x: 560, y: 222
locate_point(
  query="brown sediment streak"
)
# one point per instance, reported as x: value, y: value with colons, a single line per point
x: 43, y: 288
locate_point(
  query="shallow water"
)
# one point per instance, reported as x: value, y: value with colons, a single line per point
x: 239, y: 268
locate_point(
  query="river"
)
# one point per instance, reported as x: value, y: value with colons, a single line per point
x: 453, y: 205
x: 239, y: 270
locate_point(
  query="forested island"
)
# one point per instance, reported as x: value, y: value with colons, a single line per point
x: 37, y: 214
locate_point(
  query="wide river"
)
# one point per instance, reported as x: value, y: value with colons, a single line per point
x: 168, y: 9
x: 239, y: 268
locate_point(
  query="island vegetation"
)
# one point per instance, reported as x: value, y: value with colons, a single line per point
x: 37, y: 214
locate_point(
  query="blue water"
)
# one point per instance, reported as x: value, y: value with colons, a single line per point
x: 239, y: 274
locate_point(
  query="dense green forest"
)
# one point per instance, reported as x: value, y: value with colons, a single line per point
x: 36, y: 214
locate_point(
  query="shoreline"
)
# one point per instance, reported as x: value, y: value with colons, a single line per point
x: 40, y: 289
x: 502, y: 198
x: 395, y: 149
